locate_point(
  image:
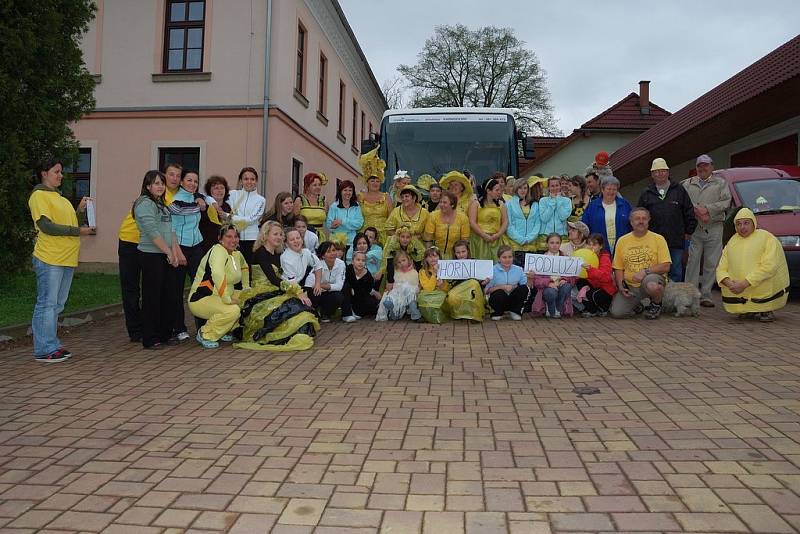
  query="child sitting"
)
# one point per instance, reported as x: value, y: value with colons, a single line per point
x: 297, y: 262
x: 508, y: 289
x: 310, y: 239
x: 429, y: 274
x: 553, y: 297
x: 401, y: 295
x: 374, y: 253
x: 359, y: 282
x: 600, y: 280
x: 465, y: 300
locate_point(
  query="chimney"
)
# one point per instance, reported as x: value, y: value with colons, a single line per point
x: 644, y: 97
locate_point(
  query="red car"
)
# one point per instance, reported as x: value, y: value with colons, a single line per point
x: 773, y: 193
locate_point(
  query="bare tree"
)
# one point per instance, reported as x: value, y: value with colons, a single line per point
x: 393, y: 90
x: 487, y: 67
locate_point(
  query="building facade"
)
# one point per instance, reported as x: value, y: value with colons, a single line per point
x: 217, y: 85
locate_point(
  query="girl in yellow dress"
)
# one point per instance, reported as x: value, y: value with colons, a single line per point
x: 311, y: 204
x: 488, y: 220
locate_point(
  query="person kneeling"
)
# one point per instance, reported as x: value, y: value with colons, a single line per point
x: 508, y: 290
x: 401, y: 295
x: 326, y: 290
x: 212, y: 296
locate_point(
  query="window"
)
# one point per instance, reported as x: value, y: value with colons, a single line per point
x: 183, y: 39
x: 341, y: 107
x: 297, y: 174
x: 323, y: 84
x: 363, y: 125
x: 300, y: 81
x: 77, y: 183
x: 355, y: 122
x: 186, y: 157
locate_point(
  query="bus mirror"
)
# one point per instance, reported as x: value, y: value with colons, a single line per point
x: 525, y: 148
x: 370, y: 143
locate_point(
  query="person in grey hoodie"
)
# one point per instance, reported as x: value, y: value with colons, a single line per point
x: 159, y: 254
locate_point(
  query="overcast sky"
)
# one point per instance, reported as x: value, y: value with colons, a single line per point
x: 594, y: 53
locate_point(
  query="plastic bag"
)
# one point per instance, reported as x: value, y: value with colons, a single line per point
x: 431, y: 306
x: 466, y: 301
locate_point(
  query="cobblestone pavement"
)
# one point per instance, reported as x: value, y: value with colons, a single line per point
x: 409, y: 427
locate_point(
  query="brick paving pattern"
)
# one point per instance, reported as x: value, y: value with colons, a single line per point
x: 413, y: 428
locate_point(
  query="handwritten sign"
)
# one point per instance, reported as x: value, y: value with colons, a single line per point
x: 553, y: 265
x: 91, y: 214
x: 464, y: 269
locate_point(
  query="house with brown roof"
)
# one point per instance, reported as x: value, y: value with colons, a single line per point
x: 751, y: 119
x: 615, y: 127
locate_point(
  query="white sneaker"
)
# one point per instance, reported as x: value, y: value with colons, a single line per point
x: 358, y: 317
x: 183, y: 336
x: 515, y: 316
x: 350, y: 319
x: 557, y: 315
x: 546, y: 313
x: 497, y: 317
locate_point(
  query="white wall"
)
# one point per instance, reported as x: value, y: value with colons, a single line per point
x: 580, y: 154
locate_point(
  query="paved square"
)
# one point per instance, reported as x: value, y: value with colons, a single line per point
x: 416, y: 428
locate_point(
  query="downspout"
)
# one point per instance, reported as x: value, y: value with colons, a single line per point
x: 265, y: 123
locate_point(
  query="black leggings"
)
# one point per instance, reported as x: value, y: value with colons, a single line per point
x: 329, y: 301
x: 158, y: 298
x: 597, y: 301
x: 502, y: 302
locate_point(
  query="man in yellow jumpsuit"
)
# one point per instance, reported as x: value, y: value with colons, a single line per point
x: 752, y: 272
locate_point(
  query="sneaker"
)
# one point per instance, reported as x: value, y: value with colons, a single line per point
x: 515, y: 316
x: 182, y: 336
x: 587, y: 314
x: 65, y: 352
x: 706, y: 303
x: 653, y: 311
x: 746, y: 316
x: 52, y: 357
x: 547, y: 313
x: 767, y: 317
x: 227, y: 338
x: 206, y: 343
x: 557, y: 315
x: 349, y: 319
x: 497, y: 317
x: 324, y: 319
x: 173, y: 341
x: 638, y: 309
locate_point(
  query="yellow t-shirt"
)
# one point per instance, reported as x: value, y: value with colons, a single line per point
x: 428, y: 282
x: 633, y: 254
x: 128, y: 231
x: 54, y: 249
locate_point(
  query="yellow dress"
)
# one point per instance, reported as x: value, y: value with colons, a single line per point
x: 374, y: 215
x: 490, y: 220
x: 445, y: 235
x: 316, y: 214
x: 399, y: 218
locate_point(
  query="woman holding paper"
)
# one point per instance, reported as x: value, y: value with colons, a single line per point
x: 488, y: 220
x: 446, y: 225
x: 523, y: 222
x: 466, y: 300
x: 55, y: 256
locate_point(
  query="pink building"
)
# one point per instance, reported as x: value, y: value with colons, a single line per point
x: 279, y: 85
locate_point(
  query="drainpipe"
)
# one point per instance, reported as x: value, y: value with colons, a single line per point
x: 265, y: 123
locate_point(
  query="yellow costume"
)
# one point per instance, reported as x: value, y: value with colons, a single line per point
x: 428, y: 281
x: 212, y: 291
x: 759, y: 259
x: 399, y: 217
x: 315, y: 213
x: 466, y: 300
x: 466, y: 196
x: 415, y: 249
x: 489, y: 219
x: 374, y: 215
x: 445, y: 235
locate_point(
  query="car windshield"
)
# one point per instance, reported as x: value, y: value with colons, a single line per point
x: 770, y: 195
x: 438, y: 143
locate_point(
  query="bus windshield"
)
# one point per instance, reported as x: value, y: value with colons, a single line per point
x: 438, y: 143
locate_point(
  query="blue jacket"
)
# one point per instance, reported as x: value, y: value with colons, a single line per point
x: 352, y: 221
x: 595, y: 218
x: 186, y: 218
x: 553, y: 212
x: 522, y: 229
x: 515, y: 276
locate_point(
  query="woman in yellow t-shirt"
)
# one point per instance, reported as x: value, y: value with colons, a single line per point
x: 409, y: 213
x: 55, y: 256
x: 446, y: 225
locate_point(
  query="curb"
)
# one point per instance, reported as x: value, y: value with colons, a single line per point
x: 18, y: 331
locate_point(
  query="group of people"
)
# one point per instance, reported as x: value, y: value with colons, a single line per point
x: 266, y: 277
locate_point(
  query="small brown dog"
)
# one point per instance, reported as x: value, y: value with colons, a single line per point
x: 680, y: 297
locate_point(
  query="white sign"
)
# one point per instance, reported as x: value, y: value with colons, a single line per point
x: 91, y: 214
x: 553, y: 265
x: 464, y: 269
x: 449, y: 117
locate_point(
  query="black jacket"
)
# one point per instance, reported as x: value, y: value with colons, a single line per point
x: 672, y: 217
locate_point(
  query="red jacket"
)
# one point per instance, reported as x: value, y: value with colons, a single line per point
x: 602, y: 276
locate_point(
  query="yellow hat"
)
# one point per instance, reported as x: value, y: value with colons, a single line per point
x: 659, y: 164
x: 533, y: 180
x: 371, y: 165
x: 455, y: 176
x: 409, y: 189
x: 425, y: 182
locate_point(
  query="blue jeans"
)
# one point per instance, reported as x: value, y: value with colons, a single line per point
x: 52, y: 289
x: 676, y: 269
x: 554, y: 298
